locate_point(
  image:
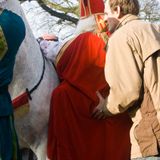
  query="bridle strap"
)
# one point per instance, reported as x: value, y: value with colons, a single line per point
x: 29, y: 92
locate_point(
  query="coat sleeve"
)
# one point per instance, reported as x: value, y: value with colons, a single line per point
x: 123, y: 72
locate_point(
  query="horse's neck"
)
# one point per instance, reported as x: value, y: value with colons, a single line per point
x: 28, y: 67
x: 29, y: 62
x: 14, y: 6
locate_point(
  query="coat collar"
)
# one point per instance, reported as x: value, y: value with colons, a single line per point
x: 127, y: 18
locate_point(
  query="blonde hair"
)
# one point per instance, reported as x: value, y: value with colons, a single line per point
x: 126, y: 6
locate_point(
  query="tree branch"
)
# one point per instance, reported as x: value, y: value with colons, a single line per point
x: 62, y: 16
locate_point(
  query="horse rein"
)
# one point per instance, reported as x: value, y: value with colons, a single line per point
x: 29, y: 92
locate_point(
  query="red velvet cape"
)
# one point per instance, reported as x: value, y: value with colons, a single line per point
x: 72, y: 133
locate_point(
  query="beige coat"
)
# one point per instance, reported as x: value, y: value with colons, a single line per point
x: 133, y: 55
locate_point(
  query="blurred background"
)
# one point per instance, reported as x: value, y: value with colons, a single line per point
x: 60, y: 16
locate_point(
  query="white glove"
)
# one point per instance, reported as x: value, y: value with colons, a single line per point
x: 50, y: 49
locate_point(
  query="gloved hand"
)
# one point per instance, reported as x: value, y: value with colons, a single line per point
x: 49, y: 44
x: 49, y: 49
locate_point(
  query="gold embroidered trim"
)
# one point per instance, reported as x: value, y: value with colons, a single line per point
x: 89, y: 8
x: 60, y: 54
x: 1, y: 10
x: 3, y: 44
x: 83, y: 6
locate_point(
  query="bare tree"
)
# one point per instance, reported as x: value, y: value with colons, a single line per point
x: 150, y: 10
x: 57, y: 15
x: 52, y: 21
x: 65, y: 10
x: 69, y: 10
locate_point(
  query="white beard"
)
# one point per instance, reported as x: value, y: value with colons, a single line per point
x: 86, y: 24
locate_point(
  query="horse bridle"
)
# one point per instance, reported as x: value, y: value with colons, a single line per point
x: 29, y: 92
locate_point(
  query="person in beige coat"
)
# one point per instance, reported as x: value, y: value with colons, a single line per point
x: 133, y: 73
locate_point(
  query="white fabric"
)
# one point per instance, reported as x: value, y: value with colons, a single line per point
x: 51, y: 49
x: 3, y: 4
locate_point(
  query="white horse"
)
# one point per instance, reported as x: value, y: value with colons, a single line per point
x: 32, y: 128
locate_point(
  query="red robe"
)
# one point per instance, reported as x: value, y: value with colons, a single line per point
x: 73, y: 134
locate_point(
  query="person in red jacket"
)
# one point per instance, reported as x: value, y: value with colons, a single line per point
x: 73, y: 134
